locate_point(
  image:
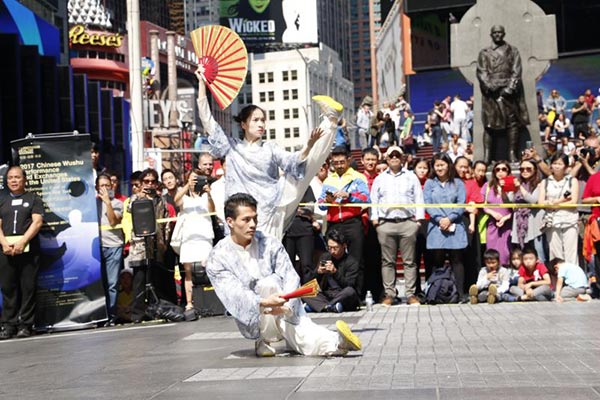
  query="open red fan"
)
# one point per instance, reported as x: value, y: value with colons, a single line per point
x: 225, y: 60
x: 309, y: 289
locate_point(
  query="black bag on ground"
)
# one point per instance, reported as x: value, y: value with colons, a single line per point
x: 166, y: 310
x: 441, y: 287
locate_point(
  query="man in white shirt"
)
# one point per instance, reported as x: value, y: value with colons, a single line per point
x: 250, y: 273
x: 397, y: 227
x: 459, y: 111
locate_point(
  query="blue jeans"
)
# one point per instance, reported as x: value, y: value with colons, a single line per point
x: 111, y: 258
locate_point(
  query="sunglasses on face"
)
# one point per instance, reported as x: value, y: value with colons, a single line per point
x: 528, y: 169
x: 503, y: 169
x: 149, y: 181
x: 395, y: 155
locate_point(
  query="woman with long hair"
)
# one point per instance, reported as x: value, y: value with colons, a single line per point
x: 421, y: 168
x: 446, y: 233
x: 528, y: 222
x: 560, y: 224
x: 499, y: 190
x: 254, y: 165
x: 195, y: 203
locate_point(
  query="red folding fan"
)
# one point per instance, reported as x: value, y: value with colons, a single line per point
x: 225, y: 60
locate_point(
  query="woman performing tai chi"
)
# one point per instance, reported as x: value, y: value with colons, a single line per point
x: 253, y: 165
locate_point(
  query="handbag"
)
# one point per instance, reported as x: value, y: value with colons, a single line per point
x: 408, y: 141
x: 177, y: 236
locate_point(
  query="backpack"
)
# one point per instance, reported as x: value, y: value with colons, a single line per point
x: 441, y: 287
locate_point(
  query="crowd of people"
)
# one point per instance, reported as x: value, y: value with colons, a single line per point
x: 352, y: 230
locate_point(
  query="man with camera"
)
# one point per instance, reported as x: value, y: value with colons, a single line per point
x: 147, y: 253
x: 337, y: 274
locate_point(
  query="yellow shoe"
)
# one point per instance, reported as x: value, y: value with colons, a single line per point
x: 329, y: 107
x: 492, y: 293
x: 351, y: 341
x: 473, y: 292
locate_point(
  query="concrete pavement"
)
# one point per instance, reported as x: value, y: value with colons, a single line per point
x: 516, y: 351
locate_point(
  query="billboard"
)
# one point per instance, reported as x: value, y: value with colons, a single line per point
x: 390, y: 72
x: 269, y: 22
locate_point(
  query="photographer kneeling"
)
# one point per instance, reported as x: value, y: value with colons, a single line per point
x: 195, y: 202
x: 337, y: 274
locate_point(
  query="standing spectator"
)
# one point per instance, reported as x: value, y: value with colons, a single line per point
x: 363, y: 121
x: 555, y: 102
x: 206, y: 164
x: 591, y: 240
x: 560, y: 224
x: 421, y: 168
x: 299, y: 239
x: 396, y: 117
x: 499, y: 190
x: 571, y: 281
x: 372, y: 274
x: 338, y: 275
x: 195, y: 202
x: 528, y: 222
x: 376, y: 129
x: 580, y: 115
x: 434, y: 119
x: 472, y: 254
x: 21, y: 217
x: 446, y: 234
x: 369, y: 159
x: 459, y: 111
x: 446, y: 119
x: 171, y: 187
x: 97, y: 168
x: 539, y: 94
x: 397, y: 228
x: 406, y: 137
x: 389, y: 132
x: 110, y: 212
x: 116, y: 187
x: 345, y: 186
x: 341, y: 134
x: 161, y: 278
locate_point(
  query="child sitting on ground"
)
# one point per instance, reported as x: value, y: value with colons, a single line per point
x: 534, y: 279
x: 571, y: 281
x: 516, y: 259
x: 492, y: 282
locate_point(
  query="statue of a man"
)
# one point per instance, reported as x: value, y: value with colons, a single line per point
x: 503, y: 101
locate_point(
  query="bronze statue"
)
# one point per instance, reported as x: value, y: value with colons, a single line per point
x: 503, y: 102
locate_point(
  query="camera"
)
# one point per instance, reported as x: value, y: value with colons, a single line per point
x: 201, y: 181
x: 588, y: 150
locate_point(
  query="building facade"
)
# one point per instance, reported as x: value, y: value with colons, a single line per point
x: 283, y: 84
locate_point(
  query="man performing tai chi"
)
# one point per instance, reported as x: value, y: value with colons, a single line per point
x: 253, y: 165
x: 251, y: 272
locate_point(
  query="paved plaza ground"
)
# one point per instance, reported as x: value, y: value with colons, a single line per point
x: 512, y: 351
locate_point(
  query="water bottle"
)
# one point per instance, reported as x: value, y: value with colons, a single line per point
x: 369, y: 301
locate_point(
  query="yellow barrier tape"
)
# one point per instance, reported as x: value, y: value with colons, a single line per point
x: 158, y: 221
x: 474, y: 205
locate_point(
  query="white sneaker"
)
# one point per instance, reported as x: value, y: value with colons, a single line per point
x: 329, y: 107
x: 264, y: 349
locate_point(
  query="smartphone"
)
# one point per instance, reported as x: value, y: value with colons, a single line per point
x: 567, y: 194
x: 328, y: 193
x: 528, y: 144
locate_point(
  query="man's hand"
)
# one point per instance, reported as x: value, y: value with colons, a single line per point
x: 274, y: 300
x: 103, y: 194
x: 342, y: 195
x: 7, y: 249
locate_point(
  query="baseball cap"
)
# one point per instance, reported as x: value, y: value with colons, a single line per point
x: 392, y: 149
